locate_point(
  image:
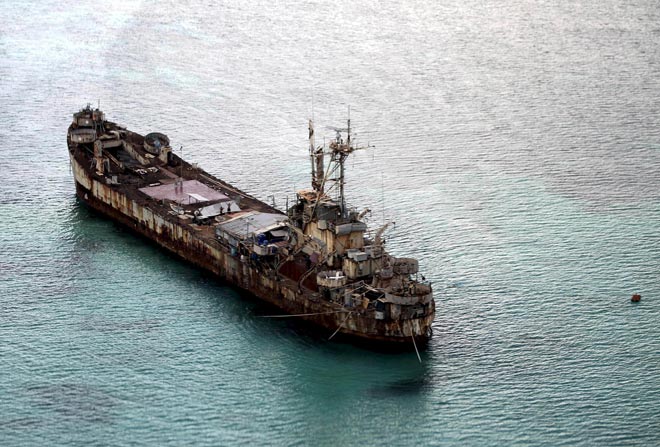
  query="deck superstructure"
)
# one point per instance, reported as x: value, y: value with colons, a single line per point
x: 315, y: 260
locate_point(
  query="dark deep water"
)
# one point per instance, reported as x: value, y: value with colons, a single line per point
x: 517, y: 150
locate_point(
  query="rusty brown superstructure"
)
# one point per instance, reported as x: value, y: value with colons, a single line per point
x: 316, y: 261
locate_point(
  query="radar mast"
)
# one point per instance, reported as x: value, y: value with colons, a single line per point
x: 338, y: 150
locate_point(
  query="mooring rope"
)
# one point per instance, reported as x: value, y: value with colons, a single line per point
x: 342, y: 323
x: 412, y: 335
x: 416, y: 350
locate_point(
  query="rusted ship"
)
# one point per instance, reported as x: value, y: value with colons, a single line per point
x: 317, y: 261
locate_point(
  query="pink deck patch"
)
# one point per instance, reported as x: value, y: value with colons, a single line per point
x: 190, y: 191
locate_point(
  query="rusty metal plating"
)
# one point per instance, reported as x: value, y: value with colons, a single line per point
x: 315, y: 261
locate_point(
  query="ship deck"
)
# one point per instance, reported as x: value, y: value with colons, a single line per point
x: 205, y: 220
x: 158, y: 184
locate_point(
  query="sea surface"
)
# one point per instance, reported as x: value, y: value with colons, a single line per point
x: 516, y: 144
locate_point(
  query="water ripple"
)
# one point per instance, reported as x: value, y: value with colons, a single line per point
x: 516, y: 148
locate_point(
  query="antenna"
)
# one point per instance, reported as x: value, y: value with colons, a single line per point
x: 340, y: 150
x: 349, y: 124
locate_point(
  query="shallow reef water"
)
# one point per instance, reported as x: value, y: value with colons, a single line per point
x: 516, y: 146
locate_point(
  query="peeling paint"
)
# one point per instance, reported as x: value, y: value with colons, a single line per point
x: 198, y: 245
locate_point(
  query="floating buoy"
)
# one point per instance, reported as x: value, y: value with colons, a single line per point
x: 636, y: 298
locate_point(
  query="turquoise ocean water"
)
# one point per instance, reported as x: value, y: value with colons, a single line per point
x: 517, y: 148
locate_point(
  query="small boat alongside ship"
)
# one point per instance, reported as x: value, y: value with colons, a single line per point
x: 316, y: 261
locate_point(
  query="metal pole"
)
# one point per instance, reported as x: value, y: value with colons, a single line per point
x: 341, y: 186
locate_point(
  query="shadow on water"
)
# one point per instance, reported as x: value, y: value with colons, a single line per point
x: 92, y: 233
x: 84, y: 228
x: 385, y: 369
x: 416, y: 385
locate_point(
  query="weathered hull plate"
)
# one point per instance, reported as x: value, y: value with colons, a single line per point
x: 281, y: 293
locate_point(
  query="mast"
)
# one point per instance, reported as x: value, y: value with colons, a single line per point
x: 339, y: 150
x: 316, y: 156
x: 346, y: 150
x: 342, y: 200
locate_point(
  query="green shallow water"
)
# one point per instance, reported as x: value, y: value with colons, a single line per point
x: 517, y: 150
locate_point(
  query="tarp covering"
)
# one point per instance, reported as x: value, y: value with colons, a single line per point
x: 248, y: 224
x: 218, y: 208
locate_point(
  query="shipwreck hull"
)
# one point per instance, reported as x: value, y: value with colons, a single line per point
x: 276, y: 290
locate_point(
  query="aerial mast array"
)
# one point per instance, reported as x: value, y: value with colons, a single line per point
x: 338, y: 150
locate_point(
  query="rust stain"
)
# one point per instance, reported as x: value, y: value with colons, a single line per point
x: 288, y: 280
